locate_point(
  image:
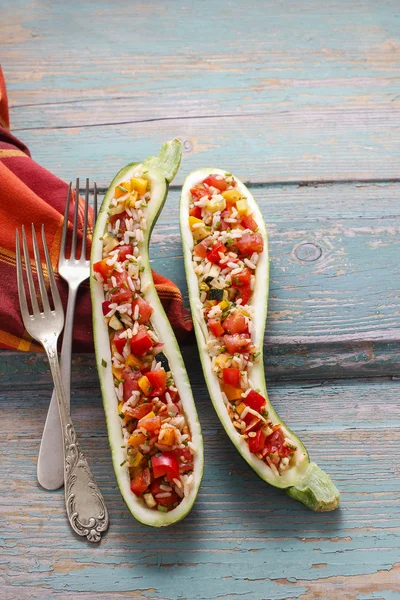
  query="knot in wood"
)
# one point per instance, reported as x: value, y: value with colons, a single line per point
x: 308, y: 252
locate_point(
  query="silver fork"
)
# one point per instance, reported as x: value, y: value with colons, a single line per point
x: 74, y: 270
x: 85, y: 506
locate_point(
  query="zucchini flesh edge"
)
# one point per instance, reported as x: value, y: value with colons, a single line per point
x: 305, y: 481
x: 160, y: 171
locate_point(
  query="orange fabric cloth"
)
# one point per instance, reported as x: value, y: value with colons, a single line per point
x: 30, y: 194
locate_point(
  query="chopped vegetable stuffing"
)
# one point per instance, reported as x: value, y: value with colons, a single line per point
x: 226, y: 251
x: 157, y: 437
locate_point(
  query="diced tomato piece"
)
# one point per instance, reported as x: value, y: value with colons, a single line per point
x: 198, y: 192
x: 235, y: 323
x: 231, y: 376
x: 121, y: 217
x: 123, y: 293
x: 123, y: 251
x: 195, y: 212
x: 214, y: 181
x: 257, y: 443
x: 249, y: 243
x: 158, y: 381
x: 141, y: 343
x: 150, y: 424
x: 216, y: 327
x: 255, y: 401
x: 145, y: 310
x: 141, y: 482
x: 236, y: 343
x: 224, y: 224
x: 201, y: 249
x: 244, y: 294
x: 106, y: 307
x: 252, y: 422
x: 103, y: 268
x: 185, y: 459
x: 130, y: 384
x: 249, y: 223
x: 169, y: 502
x: 274, y: 443
x: 242, y: 278
x: 119, y: 341
x: 165, y: 465
x: 213, y: 255
x: 138, y: 412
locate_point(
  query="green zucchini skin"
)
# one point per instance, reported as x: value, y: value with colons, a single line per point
x: 305, y: 482
x: 161, y: 170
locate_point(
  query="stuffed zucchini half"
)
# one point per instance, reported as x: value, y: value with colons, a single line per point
x: 227, y: 268
x: 152, y: 423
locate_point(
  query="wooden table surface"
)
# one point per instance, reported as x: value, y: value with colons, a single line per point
x: 301, y: 99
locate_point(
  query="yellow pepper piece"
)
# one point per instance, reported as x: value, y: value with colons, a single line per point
x: 232, y: 392
x: 168, y: 437
x: 199, y: 233
x: 195, y: 221
x: 241, y: 206
x: 240, y: 408
x: 231, y: 196
x: 224, y: 304
x: 133, y: 361
x: 139, y: 184
x: 122, y: 189
x: 221, y: 360
x: 145, y: 385
x: 136, y: 439
x: 133, y: 196
x: 117, y: 372
x: 135, y: 459
x: 149, y: 415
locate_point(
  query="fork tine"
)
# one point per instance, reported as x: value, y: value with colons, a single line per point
x: 75, y: 230
x: 42, y: 286
x: 54, y: 289
x: 20, y: 280
x: 85, y: 221
x: 95, y: 202
x: 65, y: 224
x: 31, y: 285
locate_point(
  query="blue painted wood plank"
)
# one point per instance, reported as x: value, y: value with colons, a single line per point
x: 304, y: 100
x: 246, y: 537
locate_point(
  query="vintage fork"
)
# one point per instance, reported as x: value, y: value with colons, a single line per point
x: 74, y: 270
x: 86, y: 510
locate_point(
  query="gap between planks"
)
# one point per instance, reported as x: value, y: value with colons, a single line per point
x: 293, y: 182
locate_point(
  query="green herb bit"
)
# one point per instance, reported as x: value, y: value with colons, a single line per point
x: 122, y: 464
x: 257, y: 354
x: 163, y: 509
x: 103, y: 363
x: 115, y: 289
x: 141, y: 269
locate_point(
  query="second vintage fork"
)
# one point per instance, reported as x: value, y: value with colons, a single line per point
x: 86, y: 510
x: 74, y: 270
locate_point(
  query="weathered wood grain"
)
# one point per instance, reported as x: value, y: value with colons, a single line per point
x: 249, y: 538
x: 284, y: 92
x: 334, y: 292
x: 306, y: 92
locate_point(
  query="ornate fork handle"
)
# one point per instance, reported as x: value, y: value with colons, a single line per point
x: 86, y: 510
